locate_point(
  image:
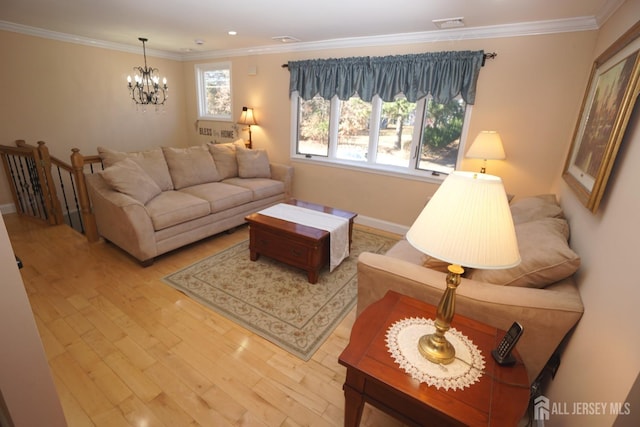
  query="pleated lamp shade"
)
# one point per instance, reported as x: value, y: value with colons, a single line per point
x: 468, y: 222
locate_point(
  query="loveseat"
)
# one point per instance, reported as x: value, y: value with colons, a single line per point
x: 540, y: 293
x: 154, y: 201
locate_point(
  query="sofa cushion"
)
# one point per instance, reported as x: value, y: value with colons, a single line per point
x: 190, y: 166
x: 224, y: 156
x: 126, y: 176
x: 546, y: 256
x: 253, y: 163
x: 260, y: 187
x: 537, y: 207
x: 152, y: 161
x: 220, y: 196
x: 175, y: 207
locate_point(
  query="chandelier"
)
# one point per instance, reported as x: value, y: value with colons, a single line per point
x: 145, y: 88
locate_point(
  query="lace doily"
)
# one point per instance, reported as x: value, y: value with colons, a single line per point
x: 402, y: 343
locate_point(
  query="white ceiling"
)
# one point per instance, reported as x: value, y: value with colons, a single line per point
x: 173, y: 26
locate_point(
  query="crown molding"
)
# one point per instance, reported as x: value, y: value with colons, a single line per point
x: 608, y: 9
x: 70, y: 38
x: 585, y: 23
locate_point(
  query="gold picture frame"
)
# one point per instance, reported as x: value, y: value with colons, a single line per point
x: 613, y: 88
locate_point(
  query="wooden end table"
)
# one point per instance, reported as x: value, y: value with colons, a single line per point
x: 500, y: 397
x: 294, y: 244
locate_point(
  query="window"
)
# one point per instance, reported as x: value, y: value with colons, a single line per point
x: 418, y: 138
x: 213, y: 83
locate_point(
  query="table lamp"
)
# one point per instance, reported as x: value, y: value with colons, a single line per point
x: 246, y: 118
x: 486, y: 146
x: 467, y: 223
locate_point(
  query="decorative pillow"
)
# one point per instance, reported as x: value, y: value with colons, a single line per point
x: 253, y: 163
x: 224, y: 156
x: 239, y: 143
x: 127, y: 177
x: 190, y: 166
x: 151, y: 161
x: 537, y: 207
x: 546, y: 256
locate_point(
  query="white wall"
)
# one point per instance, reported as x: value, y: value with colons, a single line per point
x: 602, y: 359
x: 25, y: 379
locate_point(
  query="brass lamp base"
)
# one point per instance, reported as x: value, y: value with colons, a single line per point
x: 435, y: 347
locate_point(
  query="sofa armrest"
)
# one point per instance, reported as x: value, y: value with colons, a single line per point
x: 547, y: 315
x: 122, y: 219
x: 284, y: 173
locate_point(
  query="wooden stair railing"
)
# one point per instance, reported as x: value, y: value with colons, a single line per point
x: 28, y: 171
x: 40, y: 195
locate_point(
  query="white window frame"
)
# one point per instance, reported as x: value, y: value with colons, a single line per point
x: 370, y: 165
x: 203, y: 114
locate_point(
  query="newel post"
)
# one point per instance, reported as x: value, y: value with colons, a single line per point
x: 90, y: 227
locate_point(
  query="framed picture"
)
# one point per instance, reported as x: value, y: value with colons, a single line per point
x: 608, y: 102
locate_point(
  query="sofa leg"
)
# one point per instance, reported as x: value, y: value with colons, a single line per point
x: 147, y: 262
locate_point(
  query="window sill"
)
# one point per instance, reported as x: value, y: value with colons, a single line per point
x: 377, y: 170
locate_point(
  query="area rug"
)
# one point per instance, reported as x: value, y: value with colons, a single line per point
x: 274, y: 300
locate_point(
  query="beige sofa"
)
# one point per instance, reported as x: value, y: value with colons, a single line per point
x: 152, y: 202
x: 540, y: 293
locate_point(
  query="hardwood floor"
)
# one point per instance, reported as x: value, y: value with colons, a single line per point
x: 127, y: 350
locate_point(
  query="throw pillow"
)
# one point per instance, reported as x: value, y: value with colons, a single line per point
x: 151, y: 161
x: 239, y: 143
x: 253, y: 163
x: 224, y: 156
x: 537, y: 207
x: 190, y: 166
x: 545, y: 253
x: 127, y: 177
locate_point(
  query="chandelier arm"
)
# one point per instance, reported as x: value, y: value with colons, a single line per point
x: 147, y: 89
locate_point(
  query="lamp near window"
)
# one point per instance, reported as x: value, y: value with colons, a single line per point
x: 467, y: 223
x: 246, y: 118
x: 486, y: 146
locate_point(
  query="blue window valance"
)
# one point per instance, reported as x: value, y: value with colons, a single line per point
x: 443, y: 75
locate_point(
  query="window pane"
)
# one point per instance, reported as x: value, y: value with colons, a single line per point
x: 353, y: 129
x: 396, y: 132
x: 313, y: 126
x: 218, y: 92
x: 213, y: 85
x: 441, y: 135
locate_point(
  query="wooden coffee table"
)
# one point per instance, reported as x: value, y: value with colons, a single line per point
x: 294, y: 244
x: 499, y: 398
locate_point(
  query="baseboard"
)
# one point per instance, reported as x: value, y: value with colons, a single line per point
x: 380, y: 224
x: 7, y: 209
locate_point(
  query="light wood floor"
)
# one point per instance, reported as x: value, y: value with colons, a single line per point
x: 127, y: 350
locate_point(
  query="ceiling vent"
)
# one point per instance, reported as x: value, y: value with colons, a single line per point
x: 285, y: 39
x: 445, y: 24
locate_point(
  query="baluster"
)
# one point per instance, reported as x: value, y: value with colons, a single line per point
x: 11, y: 162
x: 77, y: 203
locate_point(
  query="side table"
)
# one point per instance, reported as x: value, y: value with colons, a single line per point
x: 499, y: 398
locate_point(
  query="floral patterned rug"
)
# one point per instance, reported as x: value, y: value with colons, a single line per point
x: 274, y: 300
